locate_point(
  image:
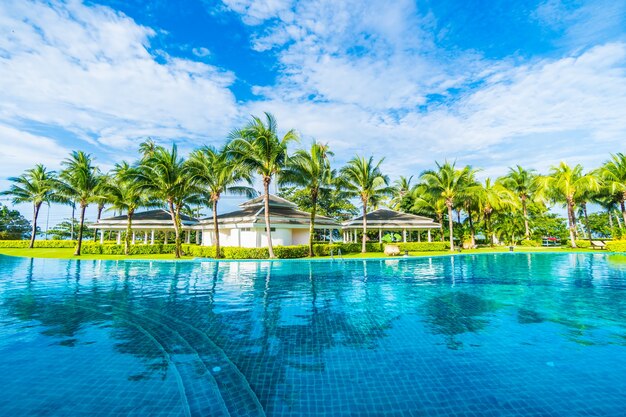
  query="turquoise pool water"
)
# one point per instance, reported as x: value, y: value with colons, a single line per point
x: 484, y: 335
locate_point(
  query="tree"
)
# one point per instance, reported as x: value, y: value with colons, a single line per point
x: 100, y: 197
x: 400, y: 191
x: 310, y: 170
x: 36, y: 186
x: 522, y: 182
x: 566, y: 185
x: 331, y: 202
x: 446, y: 182
x: 216, y: 173
x: 363, y: 178
x: 164, y: 176
x: 80, y: 183
x: 259, y: 148
x: 63, y: 230
x: 494, y: 196
x: 124, y: 194
x: 613, y: 174
x: 428, y: 204
x: 13, y: 226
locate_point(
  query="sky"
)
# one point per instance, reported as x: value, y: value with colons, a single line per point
x: 486, y: 83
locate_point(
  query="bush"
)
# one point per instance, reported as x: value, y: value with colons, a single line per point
x: 245, y: 253
x: 38, y: 243
x: 583, y: 244
x: 200, y: 251
x: 324, y: 249
x: 530, y: 243
x: 291, y: 252
x: 616, y: 246
x: 90, y: 248
x: 423, y: 246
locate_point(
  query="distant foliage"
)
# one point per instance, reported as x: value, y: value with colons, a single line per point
x: 63, y: 230
x: 38, y: 243
x: 423, y: 246
x: 616, y: 246
x: 13, y: 225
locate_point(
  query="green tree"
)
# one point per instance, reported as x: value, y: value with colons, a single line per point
x: 332, y: 202
x: 164, y: 176
x: 63, y: 230
x: 310, y: 170
x: 448, y: 183
x: 259, y: 148
x: 216, y: 173
x: 494, y: 196
x: 363, y: 178
x: 428, y: 204
x: 35, y: 186
x: 80, y: 184
x: 566, y: 185
x: 401, y: 189
x: 613, y: 174
x: 13, y: 225
x: 522, y: 182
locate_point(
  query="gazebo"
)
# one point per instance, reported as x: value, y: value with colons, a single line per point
x: 145, y: 223
x: 387, y: 220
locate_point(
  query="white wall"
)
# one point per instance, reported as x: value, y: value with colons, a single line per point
x: 300, y: 237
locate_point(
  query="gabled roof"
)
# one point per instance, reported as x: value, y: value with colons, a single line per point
x: 274, y: 201
x: 387, y: 218
x: 158, y: 217
x: 158, y: 214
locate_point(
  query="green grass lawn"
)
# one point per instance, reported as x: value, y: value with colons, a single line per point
x: 68, y: 253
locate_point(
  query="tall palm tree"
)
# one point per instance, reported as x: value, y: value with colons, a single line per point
x: 494, y: 196
x: 522, y: 182
x: 446, y: 182
x: 428, y: 204
x: 310, y: 170
x: 164, y: 176
x: 80, y: 184
x: 469, y: 197
x: 401, y: 188
x: 613, y: 174
x: 216, y: 173
x: 363, y: 178
x: 567, y: 185
x: 124, y: 194
x: 100, y: 198
x: 259, y: 148
x: 36, y: 186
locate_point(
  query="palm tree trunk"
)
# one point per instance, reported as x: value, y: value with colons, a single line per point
x: 80, y: 229
x: 129, y: 229
x: 584, y: 206
x: 312, y: 222
x: 175, y: 220
x: 623, y: 207
x: 525, y: 211
x: 268, y: 228
x: 363, y: 245
x: 440, y: 217
x: 572, y: 224
x: 488, y: 227
x: 610, y: 221
x: 95, y: 231
x: 450, y: 226
x: 216, y: 229
x: 36, y: 207
x: 471, y: 224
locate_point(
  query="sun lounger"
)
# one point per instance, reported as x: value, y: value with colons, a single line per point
x: 598, y: 244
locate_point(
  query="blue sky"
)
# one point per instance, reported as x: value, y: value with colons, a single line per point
x: 489, y: 84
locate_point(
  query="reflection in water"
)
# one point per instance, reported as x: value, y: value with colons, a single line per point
x: 260, y: 337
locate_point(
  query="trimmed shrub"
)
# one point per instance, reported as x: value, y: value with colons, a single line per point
x: 324, y: 249
x: 245, y: 253
x: 530, y: 243
x: 616, y: 245
x: 90, y: 248
x: 291, y: 252
x: 38, y: 243
x: 200, y: 251
x: 583, y: 244
x: 423, y: 246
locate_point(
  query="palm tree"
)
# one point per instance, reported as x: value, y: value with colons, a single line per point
x: 216, y: 173
x: 100, y: 197
x: 401, y: 189
x: 310, y: 170
x: 164, y: 176
x: 469, y: 197
x: 363, y: 178
x: 123, y: 194
x: 428, y: 204
x: 36, y: 186
x: 613, y: 174
x: 522, y: 182
x: 448, y: 183
x: 259, y: 148
x: 80, y: 184
x: 494, y: 196
x: 567, y: 185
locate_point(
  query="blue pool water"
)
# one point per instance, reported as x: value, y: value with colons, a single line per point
x: 484, y: 335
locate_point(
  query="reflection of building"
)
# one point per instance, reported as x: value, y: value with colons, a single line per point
x: 144, y: 225
x: 409, y: 226
x: 246, y: 227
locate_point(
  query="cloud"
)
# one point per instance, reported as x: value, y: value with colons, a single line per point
x: 91, y: 71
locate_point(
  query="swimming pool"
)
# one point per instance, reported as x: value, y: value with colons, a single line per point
x: 505, y: 334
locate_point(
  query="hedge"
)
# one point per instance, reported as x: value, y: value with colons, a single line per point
x: 324, y: 249
x: 38, y: 243
x: 616, y: 245
x: 233, y: 252
x: 90, y: 248
x: 530, y: 243
x: 583, y: 244
x: 423, y: 246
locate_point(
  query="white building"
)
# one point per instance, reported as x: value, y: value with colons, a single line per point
x: 246, y: 227
x: 385, y: 220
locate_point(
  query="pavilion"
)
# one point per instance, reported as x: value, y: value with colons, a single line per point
x: 387, y: 220
x: 144, y: 225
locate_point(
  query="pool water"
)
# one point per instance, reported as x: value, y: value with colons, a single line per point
x: 482, y: 335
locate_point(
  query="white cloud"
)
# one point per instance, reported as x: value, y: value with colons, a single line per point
x: 89, y: 70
